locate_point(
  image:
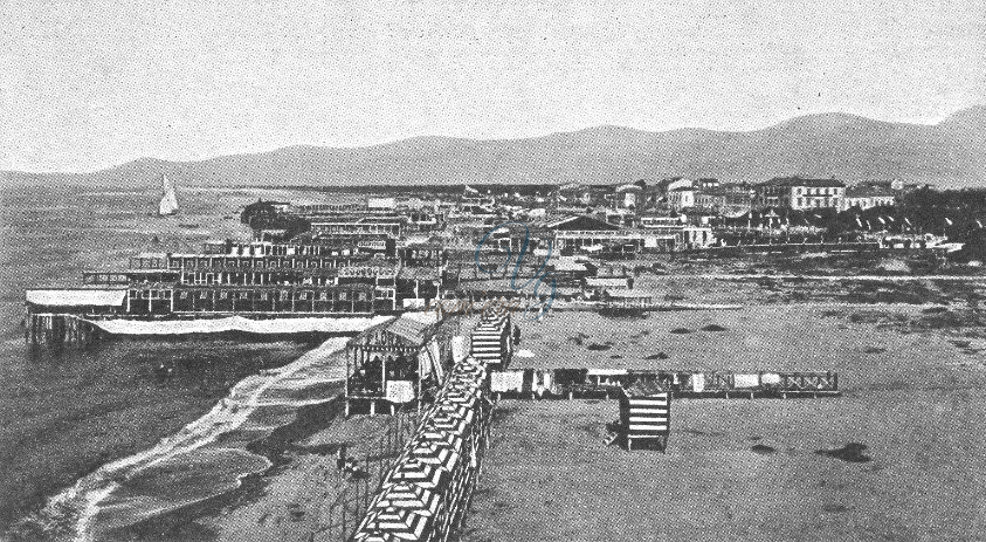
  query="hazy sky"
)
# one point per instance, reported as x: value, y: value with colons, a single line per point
x: 87, y: 85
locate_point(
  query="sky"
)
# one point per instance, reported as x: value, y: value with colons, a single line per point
x: 86, y: 85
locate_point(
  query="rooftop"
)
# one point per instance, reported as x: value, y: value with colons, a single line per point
x: 76, y: 297
x: 868, y: 191
x: 798, y: 181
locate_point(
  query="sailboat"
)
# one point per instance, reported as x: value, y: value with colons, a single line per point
x: 169, y: 201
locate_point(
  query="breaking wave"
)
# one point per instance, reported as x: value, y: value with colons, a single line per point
x: 206, y: 458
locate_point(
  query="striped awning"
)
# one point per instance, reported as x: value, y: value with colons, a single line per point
x: 461, y: 386
x: 451, y: 424
x: 436, y: 454
x: 443, y: 438
x: 405, y: 496
x: 459, y: 412
x: 466, y: 390
x: 392, y: 524
x: 470, y: 370
x: 426, y: 475
x: 465, y: 381
x: 466, y: 399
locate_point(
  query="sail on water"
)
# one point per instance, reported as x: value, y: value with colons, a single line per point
x: 169, y: 201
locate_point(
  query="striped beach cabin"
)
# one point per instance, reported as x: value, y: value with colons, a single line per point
x: 490, y: 342
x: 645, y: 415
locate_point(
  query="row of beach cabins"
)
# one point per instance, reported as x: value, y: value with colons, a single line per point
x: 426, y: 493
x: 422, y: 360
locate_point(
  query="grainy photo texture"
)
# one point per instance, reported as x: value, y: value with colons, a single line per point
x: 509, y: 271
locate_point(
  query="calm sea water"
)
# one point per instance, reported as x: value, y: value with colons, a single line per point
x: 64, y: 415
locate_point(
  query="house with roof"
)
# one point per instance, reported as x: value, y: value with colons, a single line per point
x: 628, y: 196
x: 866, y: 196
x: 799, y: 194
x: 682, y: 197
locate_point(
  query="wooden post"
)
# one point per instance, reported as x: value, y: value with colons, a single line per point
x: 383, y: 375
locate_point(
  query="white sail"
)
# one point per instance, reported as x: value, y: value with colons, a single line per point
x: 169, y: 202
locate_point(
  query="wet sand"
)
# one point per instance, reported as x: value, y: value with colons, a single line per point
x: 750, y: 470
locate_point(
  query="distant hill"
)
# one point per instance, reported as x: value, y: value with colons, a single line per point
x: 851, y: 148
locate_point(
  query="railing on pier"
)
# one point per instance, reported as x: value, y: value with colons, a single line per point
x: 104, y: 278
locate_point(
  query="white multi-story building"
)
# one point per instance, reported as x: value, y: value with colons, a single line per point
x: 797, y: 193
x: 682, y: 197
x: 869, y: 195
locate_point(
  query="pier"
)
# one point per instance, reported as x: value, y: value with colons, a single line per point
x: 56, y: 330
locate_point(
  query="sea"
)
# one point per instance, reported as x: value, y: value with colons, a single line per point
x: 95, y: 440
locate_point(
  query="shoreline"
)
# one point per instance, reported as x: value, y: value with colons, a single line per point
x: 208, y: 443
x: 115, y: 404
x: 176, y: 524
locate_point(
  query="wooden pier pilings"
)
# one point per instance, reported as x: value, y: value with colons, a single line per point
x: 49, y: 329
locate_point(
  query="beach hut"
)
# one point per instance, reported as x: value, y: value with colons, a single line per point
x: 441, y: 438
x: 490, y: 341
x: 391, y: 364
x: 413, y: 471
x: 450, y: 423
x: 394, y: 524
x: 645, y: 415
x: 807, y: 383
x: 405, y: 496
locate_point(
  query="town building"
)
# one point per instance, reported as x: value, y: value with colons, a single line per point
x: 588, y: 235
x: 628, y: 196
x: 707, y: 183
x: 682, y: 197
x: 866, y: 196
x: 798, y: 194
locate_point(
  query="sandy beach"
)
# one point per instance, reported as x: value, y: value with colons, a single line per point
x: 904, y: 460
x: 892, y: 458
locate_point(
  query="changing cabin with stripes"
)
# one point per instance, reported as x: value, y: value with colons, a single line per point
x: 646, y: 418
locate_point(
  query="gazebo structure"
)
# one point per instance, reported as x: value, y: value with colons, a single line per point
x: 393, y: 364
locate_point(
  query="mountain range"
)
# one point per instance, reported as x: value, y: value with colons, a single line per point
x: 951, y: 153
